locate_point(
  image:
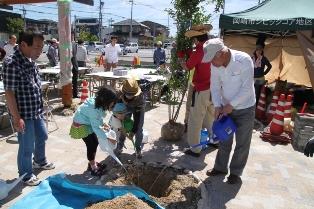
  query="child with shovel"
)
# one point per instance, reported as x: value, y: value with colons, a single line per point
x: 120, y: 124
x: 88, y: 125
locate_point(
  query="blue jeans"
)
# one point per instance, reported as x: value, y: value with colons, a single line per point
x: 32, y: 140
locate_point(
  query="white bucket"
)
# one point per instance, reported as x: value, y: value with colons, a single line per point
x: 145, y: 136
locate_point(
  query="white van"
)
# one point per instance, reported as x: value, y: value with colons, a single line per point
x: 132, y: 48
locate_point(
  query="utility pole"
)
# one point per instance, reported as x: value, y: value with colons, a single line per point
x: 74, y: 30
x: 110, y: 25
x: 131, y: 25
x: 168, y: 25
x: 101, y: 5
x: 24, y: 17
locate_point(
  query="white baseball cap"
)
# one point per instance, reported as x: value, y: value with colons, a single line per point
x: 211, y: 47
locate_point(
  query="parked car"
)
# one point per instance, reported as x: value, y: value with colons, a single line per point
x: 132, y: 48
x: 167, y: 45
x: 95, y: 46
x: 123, y: 49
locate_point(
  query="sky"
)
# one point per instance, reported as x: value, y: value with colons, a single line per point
x: 120, y: 10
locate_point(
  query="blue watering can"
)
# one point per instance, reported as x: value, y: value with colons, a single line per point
x: 223, y: 128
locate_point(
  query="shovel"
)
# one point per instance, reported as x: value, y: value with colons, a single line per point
x: 108, y: 147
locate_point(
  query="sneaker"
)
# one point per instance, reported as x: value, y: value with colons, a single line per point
x: 214, y: 172
x: 234, y: 179
x: 139, y: 154
x: 193, y: 154
x: 99, y: 165
x: 97, y: 172
x: 46, y: 166
x: 32, y: 181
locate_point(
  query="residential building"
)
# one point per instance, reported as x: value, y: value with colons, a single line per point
x: 140, y: 32
x: 49, y: 28
x: 157, y: 29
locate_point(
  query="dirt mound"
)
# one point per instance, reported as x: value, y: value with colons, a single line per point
x: 128, y: 201
x: 169, y: 187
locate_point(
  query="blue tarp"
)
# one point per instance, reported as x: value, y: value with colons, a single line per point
x: 57, y: 192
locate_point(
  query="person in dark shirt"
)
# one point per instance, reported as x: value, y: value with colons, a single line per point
x: 132, y: 96
x: 159, y: 55
x: 2, y: 54
x: 260, y: 62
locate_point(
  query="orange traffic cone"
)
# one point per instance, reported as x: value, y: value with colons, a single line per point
x: 261, y: 106
x: 134, y: 61
x: 273, y: 106
x: 277, y: 124
x: 84, y: 93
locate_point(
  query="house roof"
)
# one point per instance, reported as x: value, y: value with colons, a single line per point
x: 275, y: 15
x: 128, y: 22
x: 151, y: 24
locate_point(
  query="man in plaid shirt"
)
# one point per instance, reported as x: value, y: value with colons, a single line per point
x: 24, y: 98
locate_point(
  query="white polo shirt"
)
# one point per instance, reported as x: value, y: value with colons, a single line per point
x: 234, y: 84
x: 112, y: 53
x: 9, y: 49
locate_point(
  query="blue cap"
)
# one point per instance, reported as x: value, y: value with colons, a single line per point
x: 119, y: 108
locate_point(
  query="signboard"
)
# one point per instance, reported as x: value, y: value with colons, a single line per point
x: 88, y: 2
x: 6, y: 7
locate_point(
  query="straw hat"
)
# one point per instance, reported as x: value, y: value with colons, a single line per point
x: 131, y: 87
x: 53, y: 40
x: 197, y: 30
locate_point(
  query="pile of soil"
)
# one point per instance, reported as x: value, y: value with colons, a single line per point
x: 173, y: 188
x: 128, y: 201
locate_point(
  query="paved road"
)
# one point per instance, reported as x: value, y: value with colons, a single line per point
x: 146, y: 55
x: 276, y: 177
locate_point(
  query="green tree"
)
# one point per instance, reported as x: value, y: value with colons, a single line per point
x: 186, y: 13
x: 14, y: 25
x: 87, y: 36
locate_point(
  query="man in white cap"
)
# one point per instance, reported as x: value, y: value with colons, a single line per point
x: 52, y: 53
x: 232, y: 90
x: 159, y: 55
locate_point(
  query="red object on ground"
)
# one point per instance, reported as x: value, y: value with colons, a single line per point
x: 273, y: 106
x: 261, y: 106
x: 304, y: 107
x: 84, y: 93
x: 277, y: 123
x: 288, y: 106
